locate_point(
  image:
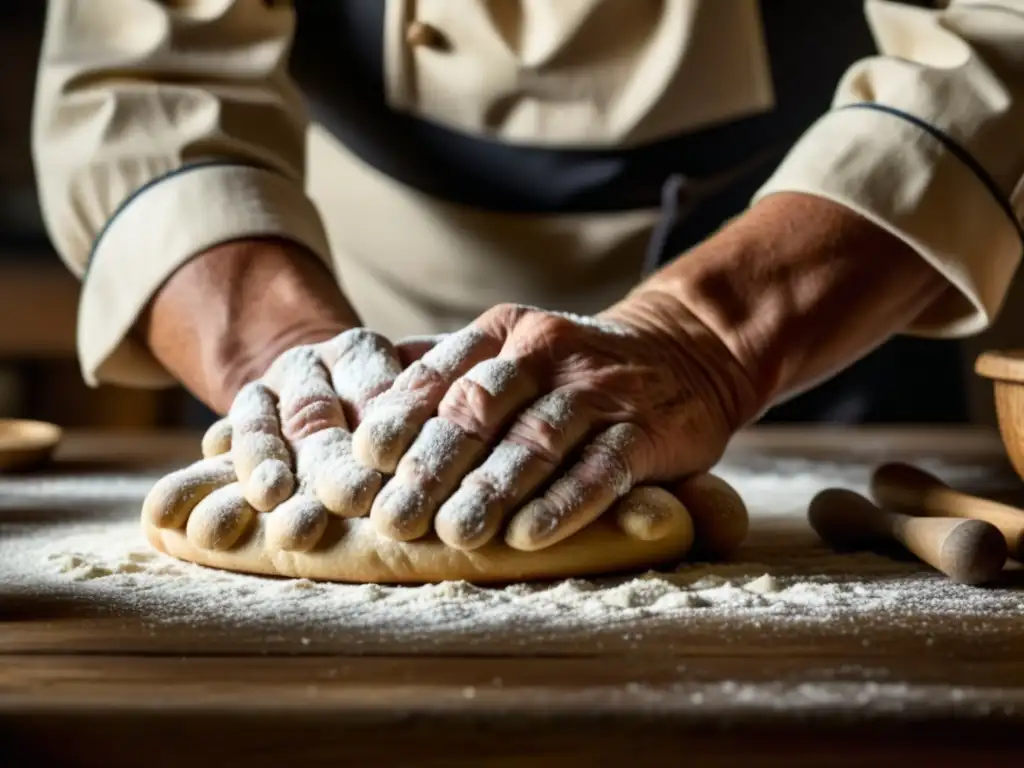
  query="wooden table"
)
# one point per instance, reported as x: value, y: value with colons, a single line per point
x: 80, y: 688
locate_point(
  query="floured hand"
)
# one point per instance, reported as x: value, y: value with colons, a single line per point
x: 598, y: 405
x: 291, y: 429
x: 199, y: 513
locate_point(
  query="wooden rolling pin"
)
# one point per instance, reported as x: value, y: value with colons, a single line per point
x: 904, y: 488
x: 968, y: 551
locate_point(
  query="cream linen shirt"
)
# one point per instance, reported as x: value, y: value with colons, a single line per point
x: 135, y: 98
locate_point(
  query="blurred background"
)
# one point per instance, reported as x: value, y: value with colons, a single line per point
x: 39, y: 375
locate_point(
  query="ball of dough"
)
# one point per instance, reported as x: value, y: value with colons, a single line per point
x: 720, y: 518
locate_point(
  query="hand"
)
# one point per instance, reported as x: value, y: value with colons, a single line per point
x: 303, y: 408
x: 225, y: 315
x: 641, y: 393
x: 201, y: 499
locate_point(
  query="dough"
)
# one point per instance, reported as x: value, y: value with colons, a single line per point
x: 351, y: 550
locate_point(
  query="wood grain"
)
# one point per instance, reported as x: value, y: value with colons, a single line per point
x: 609, y: 711
x: 82, y: 684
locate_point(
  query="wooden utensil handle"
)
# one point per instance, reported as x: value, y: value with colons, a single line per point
x: 968, y: 551
x: 913, y: 491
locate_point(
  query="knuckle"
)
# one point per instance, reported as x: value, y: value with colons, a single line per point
x: 504, y: 312
x: 419, y: 375
x: 544, y: 441
x: 555, y: 326
x: 542, y: 336
x: 460, y: 350
x: 470, y: 407
x: 501, y: 318
x: 290, y: 365
x: 306, y: 415
x: 253, y: 401
x: 609, y: 458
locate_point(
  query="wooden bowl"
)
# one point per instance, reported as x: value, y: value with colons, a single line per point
x: 26, y: 444
x: 1006, y: 370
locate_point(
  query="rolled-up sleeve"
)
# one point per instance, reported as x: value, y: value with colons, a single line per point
x: 927, y: 140
x: 162, y: 129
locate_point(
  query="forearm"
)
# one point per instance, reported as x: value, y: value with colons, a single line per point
x: 224, y: 316
x: 799, y: 287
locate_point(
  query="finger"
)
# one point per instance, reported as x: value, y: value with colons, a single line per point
x: 412, y: 348
x: 470, y: 417
x: 173, y: 497
x: 328, y: 470
x: 532, y: 450
x: 362, y: 364
x: 427, y: 473
x: 649, y: 513
x: 607, y: 470
x: 306, y: 398
x: 297, y: 525
x: 217, y: 439
x: 260, y: 456
x: 720, y: 518
x: 394, y: 418
x: 219, y: 520
x: 314, y: 420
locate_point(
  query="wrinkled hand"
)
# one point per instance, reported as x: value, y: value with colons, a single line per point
x: 290, y: 428
x: 198, y: 499
x: 642, y: 393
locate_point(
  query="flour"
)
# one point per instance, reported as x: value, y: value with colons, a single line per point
x: 555, y: 409
x: 597, y: 323
x: 501, y: 471
x: 451, y: 355
x: 306, y: 395
x: 782, y: 578
x: 494, y: 376
x: 432, y: 453
x: 391, y: 419
x: 365, y: 366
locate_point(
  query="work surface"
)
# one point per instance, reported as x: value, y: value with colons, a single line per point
x: 112, y: 655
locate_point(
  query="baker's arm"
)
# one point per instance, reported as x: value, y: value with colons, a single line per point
x: 927, y: 141
x: 163, y: 131
x: 919, y: 162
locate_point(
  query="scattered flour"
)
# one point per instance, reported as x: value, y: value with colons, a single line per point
x: 79, y: 539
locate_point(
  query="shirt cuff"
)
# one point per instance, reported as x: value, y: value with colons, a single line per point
x: 915, y: 182
x: 155, y: 232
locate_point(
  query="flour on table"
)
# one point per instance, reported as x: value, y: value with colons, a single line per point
x: 80, y: 539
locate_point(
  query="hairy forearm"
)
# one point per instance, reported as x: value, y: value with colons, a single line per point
x: 224, y: 316
x: 798, y: 288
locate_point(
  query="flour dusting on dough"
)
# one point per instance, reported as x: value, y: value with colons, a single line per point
x: 782, y: 578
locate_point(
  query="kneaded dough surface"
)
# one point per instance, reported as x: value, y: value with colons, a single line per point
x: 352, y: 551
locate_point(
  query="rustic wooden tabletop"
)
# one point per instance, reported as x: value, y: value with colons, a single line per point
x: 80, y: 685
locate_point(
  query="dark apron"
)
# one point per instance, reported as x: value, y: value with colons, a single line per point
x: 337, y: 60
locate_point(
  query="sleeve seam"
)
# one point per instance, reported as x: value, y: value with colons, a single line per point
x: 123, y: 205
x: 959, y: 152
